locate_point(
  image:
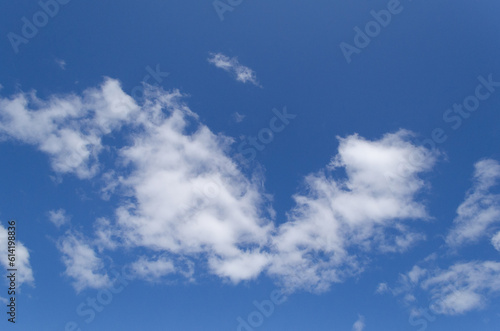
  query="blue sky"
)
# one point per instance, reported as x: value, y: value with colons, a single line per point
x: 250, y: 165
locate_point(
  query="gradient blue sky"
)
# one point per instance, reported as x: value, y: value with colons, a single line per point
x: 277, y: 54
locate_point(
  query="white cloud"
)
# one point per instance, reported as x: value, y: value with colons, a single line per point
x: 416, y: 274
x: 238, y: 117
x: 106, y: 238
x: 463, y: 287
x: 382, y: 288
x: 186, y: 196
x: 68, y: 128
x: 495, y: 241
x: 152, y: 269
x: 82, y: 263
x: 363, y: 212
x: 58, y: 217
x: 481, y: 208
x: 359, y: 325
x: 22, y: 258
x: 182, y: 196
x: 241, y: 73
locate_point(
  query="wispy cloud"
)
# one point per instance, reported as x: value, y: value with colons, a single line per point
x: 58, y: 217
x: 463, y: 287
x: 240, y: 72
x: 481, y: 208
x: 359, y: 325
x: 238, y: 117
x: 458, y: 289
x: 152, y: 269
x: 61, y: 63
x: 495, y: 241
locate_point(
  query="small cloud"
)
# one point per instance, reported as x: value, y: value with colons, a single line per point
x: 382, y: 288
x: 416, y: 274
x: 24, y: 271
x: 238, y: 117
x: 359, y: 325
x: 152, y: 269
x: 408, y: 298
x: 495, y: 241
x: 58, y: 217
x: 241, y: 73
x: 61, y: 63
x: 82, y: 263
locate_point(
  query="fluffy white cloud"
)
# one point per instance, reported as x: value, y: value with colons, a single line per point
x: 481, y: 208
x: 22, y: 263
x: 359, y: 325
x: 241, y: 73
x: 58, y: 217
x: 68, y: 128
x: 186, y: 196
x: 82, y: 263
x: 182, y: 196
x: 363, y: 212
